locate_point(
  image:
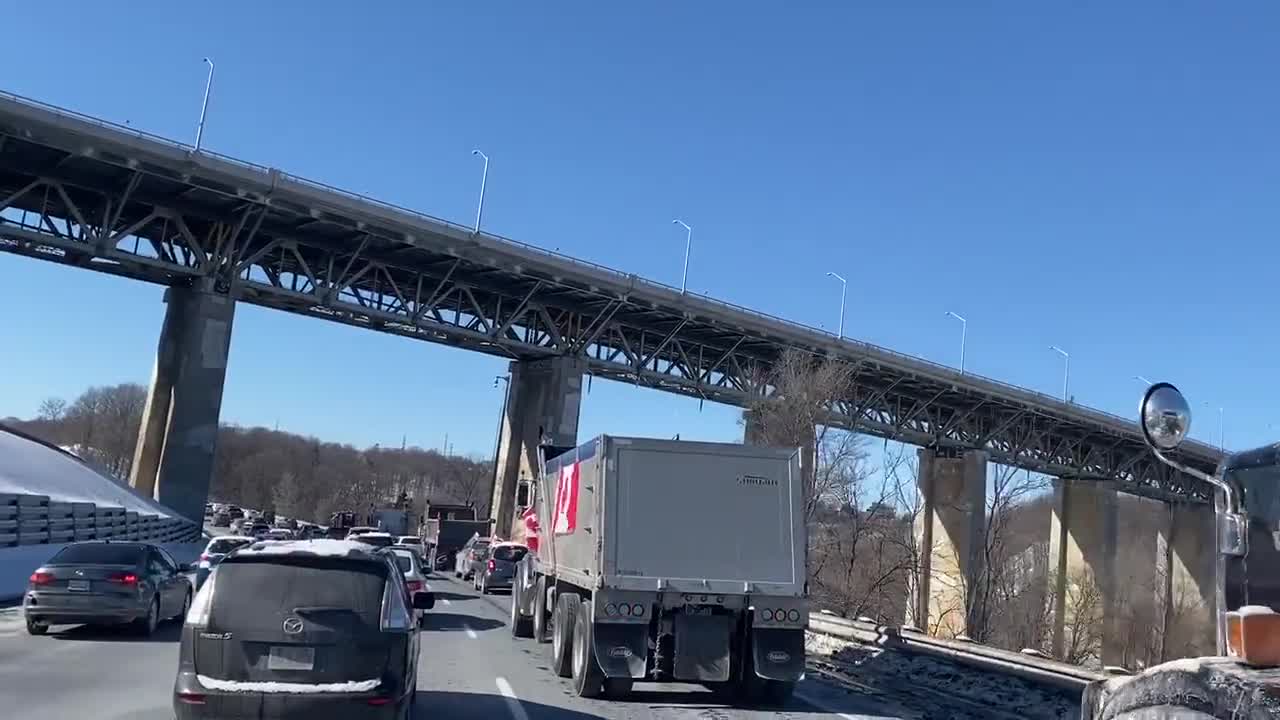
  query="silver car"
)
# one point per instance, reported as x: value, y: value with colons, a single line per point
x: 217, y: 549
x: 414, y: 579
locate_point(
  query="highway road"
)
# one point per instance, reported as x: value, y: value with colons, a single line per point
x: 470, y: 668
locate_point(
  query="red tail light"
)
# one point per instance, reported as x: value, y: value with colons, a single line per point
x: 379, y: 700
x: 127, y: 578
x: 413, y: 585
x: 204, y: 557
x: 191, y: 698
x: 41, y: 577
x: 492, y: 566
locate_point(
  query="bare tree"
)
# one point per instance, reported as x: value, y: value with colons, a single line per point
x: 52, y: 409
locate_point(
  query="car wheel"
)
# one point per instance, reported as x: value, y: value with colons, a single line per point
x: 588, y: 678
x: 484, y: 585
x: 147, y: 625
x: 35, y: 627
x: 562, y: 633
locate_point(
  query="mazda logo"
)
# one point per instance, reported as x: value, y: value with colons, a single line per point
x: 293, y: 625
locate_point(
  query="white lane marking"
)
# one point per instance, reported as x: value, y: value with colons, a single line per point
x: 513, y: 702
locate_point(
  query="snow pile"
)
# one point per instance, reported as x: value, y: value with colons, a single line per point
x: 938, y: 688
x: 353, y: 686
x: 321, y: 546
x: 28, y: 467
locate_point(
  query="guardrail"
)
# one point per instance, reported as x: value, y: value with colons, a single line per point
x: 36, y: 520
x: 1042, y: 671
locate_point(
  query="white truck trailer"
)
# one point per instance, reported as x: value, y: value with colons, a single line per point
x: 668, y: 561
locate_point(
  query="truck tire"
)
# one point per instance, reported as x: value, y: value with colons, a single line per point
x: 588, y: 678
x: 521, y: 624
x: 540, y: 615
x: 567, y: 605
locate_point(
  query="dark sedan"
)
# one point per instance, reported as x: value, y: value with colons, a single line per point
x: 107, y: 582
x: 499, y: 567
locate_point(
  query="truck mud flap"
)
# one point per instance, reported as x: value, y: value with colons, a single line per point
x: 702, y: 647
x: 622, y: 649
x: 778, y: 654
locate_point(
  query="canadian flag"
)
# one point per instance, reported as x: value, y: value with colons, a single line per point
x: 565, y: 520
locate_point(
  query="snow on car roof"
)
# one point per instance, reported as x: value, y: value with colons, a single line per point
x: 373, y: 534
x: 229, y: 537
x: 322, y: 547
x: 31, y: 467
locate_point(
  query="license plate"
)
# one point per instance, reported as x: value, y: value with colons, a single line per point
x: 78, y: 585
x: 291, y: 657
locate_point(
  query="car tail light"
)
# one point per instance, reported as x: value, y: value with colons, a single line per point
x: 492, y: 566
x: 379, y: 700
x: 1253, y: 635
x: 126, y: 578
x: 41, y: 577
x: 191, y: 698
x: 204, y: 557
x: 414, y: 585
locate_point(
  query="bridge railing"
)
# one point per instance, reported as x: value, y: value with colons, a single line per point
x: 866, y: 347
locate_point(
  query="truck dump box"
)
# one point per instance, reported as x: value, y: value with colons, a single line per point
x: 676, y: 516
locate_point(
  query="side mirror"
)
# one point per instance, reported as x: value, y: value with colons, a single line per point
x: 424, y: 600
x: 1165, y: 416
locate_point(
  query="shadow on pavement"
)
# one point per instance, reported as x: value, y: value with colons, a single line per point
x: 451, y: 596
x: 477, y: 706
x: 168, y: 632
x: 453, y: 622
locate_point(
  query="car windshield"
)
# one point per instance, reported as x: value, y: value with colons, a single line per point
x: 225, y: 545
x: 294, y: 587
x: 409, y: 541
x: 99, y: 554
x: 510, y: 553
x: 404, y: 562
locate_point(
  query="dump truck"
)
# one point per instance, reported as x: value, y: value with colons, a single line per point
x: 668, y: 561
x: 1243, y: 679
x: 452, y: 535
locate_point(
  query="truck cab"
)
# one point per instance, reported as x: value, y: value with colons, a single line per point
x: 1240, y: 680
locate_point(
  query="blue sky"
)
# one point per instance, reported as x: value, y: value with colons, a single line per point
x: 1103, y: 178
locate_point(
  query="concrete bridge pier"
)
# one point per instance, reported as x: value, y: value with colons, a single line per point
x: 1082, y: 569
x: 173, y: 461
x: 542, y: 405
x: 1185, y: 556
x: 949, y: 532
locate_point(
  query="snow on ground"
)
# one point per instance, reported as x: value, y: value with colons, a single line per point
x: 32, y: 468
x: 939, y: 688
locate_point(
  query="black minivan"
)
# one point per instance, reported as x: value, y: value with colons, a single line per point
x: 314, y: 629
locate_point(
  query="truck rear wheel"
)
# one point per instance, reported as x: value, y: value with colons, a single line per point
x: 588, y: 678
x: 540, y: 615
x: 521, y: 624
x: 567, y: 605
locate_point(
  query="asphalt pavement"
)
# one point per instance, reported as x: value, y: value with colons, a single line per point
x: 471, y: 668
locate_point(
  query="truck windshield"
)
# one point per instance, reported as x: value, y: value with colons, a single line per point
x: 1255, y: 580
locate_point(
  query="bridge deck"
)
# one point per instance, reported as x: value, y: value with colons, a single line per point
x: 80, y: 191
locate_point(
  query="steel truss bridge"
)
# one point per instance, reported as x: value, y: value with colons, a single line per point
x: 83, y: 192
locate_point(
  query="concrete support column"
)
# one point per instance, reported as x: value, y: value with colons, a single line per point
x: 949, y: 534
x: 1187, y: 563
x: 542, y: 406
x: 1082, y: 570
x: 173, y: 461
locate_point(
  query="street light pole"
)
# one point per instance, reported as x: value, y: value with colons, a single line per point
x: 964, y: 330
x: 688, y: 243
x: 1066, y: 377
x: 484, y: 179
x: 204, y: 106
x: 844, y: 290
x: 1143, y: 379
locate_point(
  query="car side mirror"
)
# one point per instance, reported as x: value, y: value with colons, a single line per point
x: 424, y: 600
